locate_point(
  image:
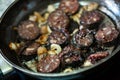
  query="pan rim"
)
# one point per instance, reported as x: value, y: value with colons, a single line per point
x: 51, y: 74
x: 58, y: 74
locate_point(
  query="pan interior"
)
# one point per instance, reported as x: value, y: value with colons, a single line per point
x: 17, y: 14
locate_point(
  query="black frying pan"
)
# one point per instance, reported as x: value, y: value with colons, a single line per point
x: 22, y: 9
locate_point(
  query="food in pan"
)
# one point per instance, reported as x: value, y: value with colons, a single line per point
x: 90, y: 17
x: 31, y: 49
x: 69, y: 6
x: 28, y: 30
x: 70, y: 37
x: 57, y: 37
x: 83, y: 38
x: 48, y: 64
x: 106, y: 33
x: 58, y: 20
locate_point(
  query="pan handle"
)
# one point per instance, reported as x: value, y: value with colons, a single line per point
x: 4, y: 67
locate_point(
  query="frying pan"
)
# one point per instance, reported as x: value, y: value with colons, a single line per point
x: 20, y: 10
